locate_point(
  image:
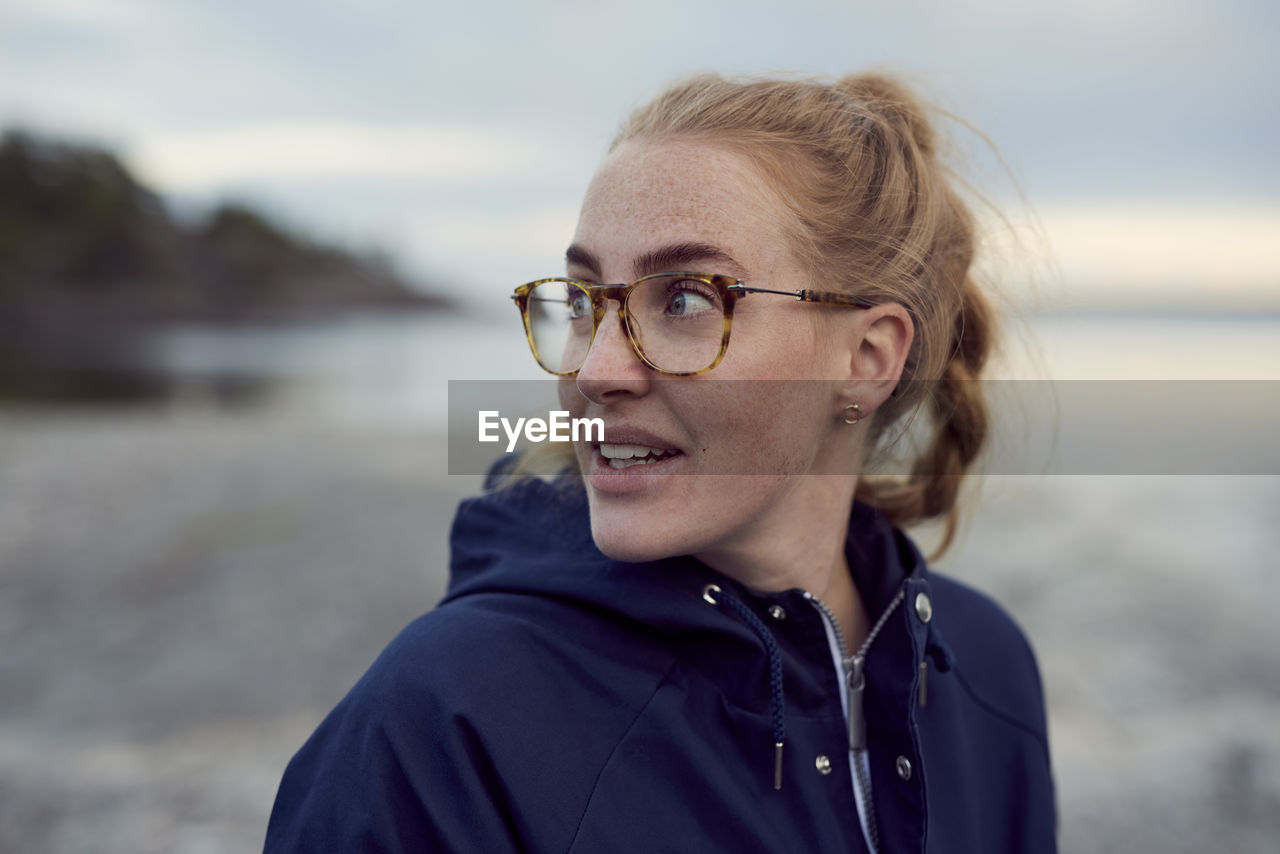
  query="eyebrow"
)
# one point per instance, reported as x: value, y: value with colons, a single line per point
x: 576, y: 256
x: 676, y: 257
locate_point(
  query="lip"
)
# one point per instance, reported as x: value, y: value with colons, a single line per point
x: 607, y: 480
x: 625, y: 434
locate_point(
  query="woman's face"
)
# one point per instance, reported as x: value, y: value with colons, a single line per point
x: 741, y: 443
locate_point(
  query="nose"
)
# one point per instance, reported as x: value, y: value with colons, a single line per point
x: 612, y: 368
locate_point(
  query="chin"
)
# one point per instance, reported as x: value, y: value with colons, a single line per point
x: 634, y: 538
x: 630, y: 545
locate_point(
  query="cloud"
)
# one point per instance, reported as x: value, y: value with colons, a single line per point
x: 203, y: 160
x: 97, y: 13
x: 531, y: 231
x: 494, y: 251
x: 1155, y: 255
x: 1189, y: 250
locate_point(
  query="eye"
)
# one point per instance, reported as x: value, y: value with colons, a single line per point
x: 689, y: 296
x: 579, y: 304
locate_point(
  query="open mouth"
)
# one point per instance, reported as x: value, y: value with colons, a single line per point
x: 625, y: 456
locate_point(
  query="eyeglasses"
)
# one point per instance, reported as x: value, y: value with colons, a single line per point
x: 677, y: 323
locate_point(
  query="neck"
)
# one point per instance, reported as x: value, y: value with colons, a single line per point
x: 801, y: 545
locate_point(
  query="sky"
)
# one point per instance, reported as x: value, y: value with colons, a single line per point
x: 1140, y: 136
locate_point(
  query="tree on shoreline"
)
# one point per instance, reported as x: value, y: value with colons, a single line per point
x: 78, y: 233
x: 91, y: 260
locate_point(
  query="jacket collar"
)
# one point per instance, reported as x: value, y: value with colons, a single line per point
x: 534, y: 537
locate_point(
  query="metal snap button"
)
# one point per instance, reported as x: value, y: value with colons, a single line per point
x: 904, y: 768
x: 823, y: 764
x: 924, y: 608
x: 777, y: 613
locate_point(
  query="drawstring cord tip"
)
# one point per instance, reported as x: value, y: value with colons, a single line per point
x: 777, y: 766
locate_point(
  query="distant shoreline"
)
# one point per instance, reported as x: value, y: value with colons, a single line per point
x: 1129, y: 312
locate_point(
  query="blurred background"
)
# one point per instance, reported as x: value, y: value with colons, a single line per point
x: 244, y: 248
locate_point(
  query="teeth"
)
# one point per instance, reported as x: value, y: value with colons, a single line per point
x: 626, y: 452
x: 625, y: 456
x: 622, y: 464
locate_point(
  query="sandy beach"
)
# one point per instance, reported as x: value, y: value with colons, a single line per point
x: 184, y: 594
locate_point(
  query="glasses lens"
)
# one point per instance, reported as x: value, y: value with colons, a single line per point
x: 561, y: 325
x: 678, y: 322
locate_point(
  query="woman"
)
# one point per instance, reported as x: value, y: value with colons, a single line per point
x: 717, y: 638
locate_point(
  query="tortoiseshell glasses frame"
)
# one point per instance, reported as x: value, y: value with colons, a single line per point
x: 729, y: 289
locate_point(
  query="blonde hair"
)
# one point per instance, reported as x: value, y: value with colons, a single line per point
x: 876, y: 213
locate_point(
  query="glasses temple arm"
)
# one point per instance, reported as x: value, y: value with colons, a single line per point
x: 807, y: 295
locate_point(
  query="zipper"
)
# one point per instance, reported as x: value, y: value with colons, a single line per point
x: 855, y: 679
x: 855, y: 665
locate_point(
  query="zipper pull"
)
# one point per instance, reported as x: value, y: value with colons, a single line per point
x: 857, y: 681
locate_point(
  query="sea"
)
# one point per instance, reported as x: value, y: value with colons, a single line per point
x: 1084, y: 392
x: 398, y: 365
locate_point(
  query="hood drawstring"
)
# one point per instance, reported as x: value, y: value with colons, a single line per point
x: 775, y: 671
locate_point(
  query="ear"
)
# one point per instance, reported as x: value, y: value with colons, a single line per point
x: 881, y: 344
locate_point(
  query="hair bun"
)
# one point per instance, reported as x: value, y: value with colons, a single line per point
x: 896, y: 103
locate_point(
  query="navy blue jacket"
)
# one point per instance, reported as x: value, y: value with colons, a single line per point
x: 560, y: 701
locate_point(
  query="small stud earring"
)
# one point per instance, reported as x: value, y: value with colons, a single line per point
x: 856, y: 412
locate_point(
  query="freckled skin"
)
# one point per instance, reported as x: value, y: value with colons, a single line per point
x: 747, y: 499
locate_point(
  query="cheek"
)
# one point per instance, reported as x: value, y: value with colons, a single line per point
x: 761, y: 427
x: 791, y: 341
